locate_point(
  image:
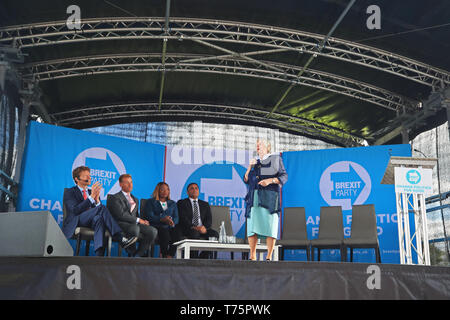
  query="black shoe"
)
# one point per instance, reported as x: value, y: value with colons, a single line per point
x: 100, y: 252
x: 131, y: 250
x: 126, y: 242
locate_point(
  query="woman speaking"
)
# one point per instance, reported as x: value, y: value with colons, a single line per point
x: 264, y: 177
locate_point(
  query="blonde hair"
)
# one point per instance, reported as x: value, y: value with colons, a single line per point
x: 155, y: 193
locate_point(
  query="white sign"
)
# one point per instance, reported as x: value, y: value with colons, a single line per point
x: 413, y: 180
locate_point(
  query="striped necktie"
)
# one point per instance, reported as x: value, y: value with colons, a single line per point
x: 195, y: 218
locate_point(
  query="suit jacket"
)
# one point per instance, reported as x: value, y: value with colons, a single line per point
x: 74, y: 205
x: 119, y: 207
x: 153, y: 212
x: 185, y: 212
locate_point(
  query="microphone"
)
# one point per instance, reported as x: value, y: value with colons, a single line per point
x: 417, y: 150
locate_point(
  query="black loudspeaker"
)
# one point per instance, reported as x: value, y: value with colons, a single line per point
x: 32, y: 234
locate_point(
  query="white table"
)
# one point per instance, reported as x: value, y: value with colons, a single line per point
x: 205, y: 245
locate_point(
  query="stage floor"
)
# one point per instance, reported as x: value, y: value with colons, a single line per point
x: 171, y: 279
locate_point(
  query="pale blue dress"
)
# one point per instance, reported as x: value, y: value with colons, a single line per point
x: 261, y: 222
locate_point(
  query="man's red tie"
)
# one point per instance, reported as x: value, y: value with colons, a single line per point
x: 84, y: 194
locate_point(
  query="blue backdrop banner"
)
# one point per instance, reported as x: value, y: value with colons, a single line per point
x: 344, y: 177
x: 53, y: 152
x: 218, y: 173
x: 334, y: 177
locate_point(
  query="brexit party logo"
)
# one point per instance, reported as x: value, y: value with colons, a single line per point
x: 345, y: 183
x: 413, y: 176
x: 106, y: 167
x: 220, y: 184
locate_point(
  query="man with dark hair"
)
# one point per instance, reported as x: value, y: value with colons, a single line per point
x: 195, y: 215
x: 84, y: 209
x: 124, y: 207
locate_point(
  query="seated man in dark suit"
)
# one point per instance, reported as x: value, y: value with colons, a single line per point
x: 84, y: 209
x: 195, y: 216
x: 124, y: 208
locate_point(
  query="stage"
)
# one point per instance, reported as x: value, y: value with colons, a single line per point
x: 90, y: 278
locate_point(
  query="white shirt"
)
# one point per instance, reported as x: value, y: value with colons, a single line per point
x: 164, y: 205
x: 264, y: 156
x: 198, y: 205
x: 127, y: 196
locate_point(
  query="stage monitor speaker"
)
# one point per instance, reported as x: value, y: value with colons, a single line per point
x: 32, y: 234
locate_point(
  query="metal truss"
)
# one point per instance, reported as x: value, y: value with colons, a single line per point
x: 437, y: 101
x: 53, y: 33
x: 84, y: 66
x: 84, y: 115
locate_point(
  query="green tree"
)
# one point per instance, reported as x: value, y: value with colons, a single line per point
x: 437, y: 256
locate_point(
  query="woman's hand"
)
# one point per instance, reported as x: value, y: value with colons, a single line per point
x: 167, y: 220
x: 265, y: 182
x: 268, y: 181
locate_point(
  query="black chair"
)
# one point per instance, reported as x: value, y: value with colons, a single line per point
x: 156, y: 242
x: 219, y: 214
x: 294, y: 234
x: 364, y: 232
x: 86, y: 234
x: 151, y: 251
x: 142, y: 204
x: 331, y: 233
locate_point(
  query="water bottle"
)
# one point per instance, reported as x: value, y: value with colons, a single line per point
x: 222, y: 233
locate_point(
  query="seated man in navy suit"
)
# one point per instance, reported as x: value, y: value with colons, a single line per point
x: 84, y: 209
